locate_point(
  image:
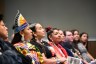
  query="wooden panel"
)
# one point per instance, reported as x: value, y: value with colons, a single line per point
x: 92, y: 48
x: 2, y: 6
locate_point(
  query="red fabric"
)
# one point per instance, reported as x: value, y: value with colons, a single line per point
x: 63, y: 50
x: 57, y: 50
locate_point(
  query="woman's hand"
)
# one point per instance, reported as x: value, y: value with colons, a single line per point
x: 62, y: 60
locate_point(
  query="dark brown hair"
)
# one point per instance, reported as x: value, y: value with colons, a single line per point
x: 74, y: 31
x: 1, y: 17
x: 50, y: 31
x: 17, y: 38
x: 83, y: 33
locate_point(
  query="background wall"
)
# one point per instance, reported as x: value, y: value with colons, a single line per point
x: 92, y: 48
x: 2, y: 6
x: 63, y: 14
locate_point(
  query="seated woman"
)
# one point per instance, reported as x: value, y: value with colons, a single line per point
x: 22, y: 37
x: 54, y: 40
x: 84, y: 42
x: 76, y: 37
x: 78, y: 45
x: 55, y: 37
x: 62, y: 42
x: 84, y: 39
x: 48, y: 56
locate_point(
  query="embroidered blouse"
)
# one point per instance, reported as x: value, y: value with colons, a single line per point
x: 30, y: 50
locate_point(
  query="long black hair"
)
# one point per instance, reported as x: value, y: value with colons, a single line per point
x: 17, y: 37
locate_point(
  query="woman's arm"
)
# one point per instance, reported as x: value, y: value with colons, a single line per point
x: 90, y: 56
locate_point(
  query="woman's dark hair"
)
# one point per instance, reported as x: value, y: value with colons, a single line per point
x: 17, y: 38
x: 83, y: 33
x: 33, y: 28
x: 75, y: 41
x: 1, y: 17
x: 50, y: 31
x: 84, y: 43
x: 74, y: 31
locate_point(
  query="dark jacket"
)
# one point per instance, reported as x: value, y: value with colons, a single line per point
x: 9, y: 55
x: 67, y: 47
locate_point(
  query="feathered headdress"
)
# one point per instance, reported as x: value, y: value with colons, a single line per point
x: 20, y: 23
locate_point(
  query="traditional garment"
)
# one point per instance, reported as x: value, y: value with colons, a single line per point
x: 30, y: 50
x: 20, y: 22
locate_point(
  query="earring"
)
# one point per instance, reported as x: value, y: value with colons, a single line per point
x: 22, y: 39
